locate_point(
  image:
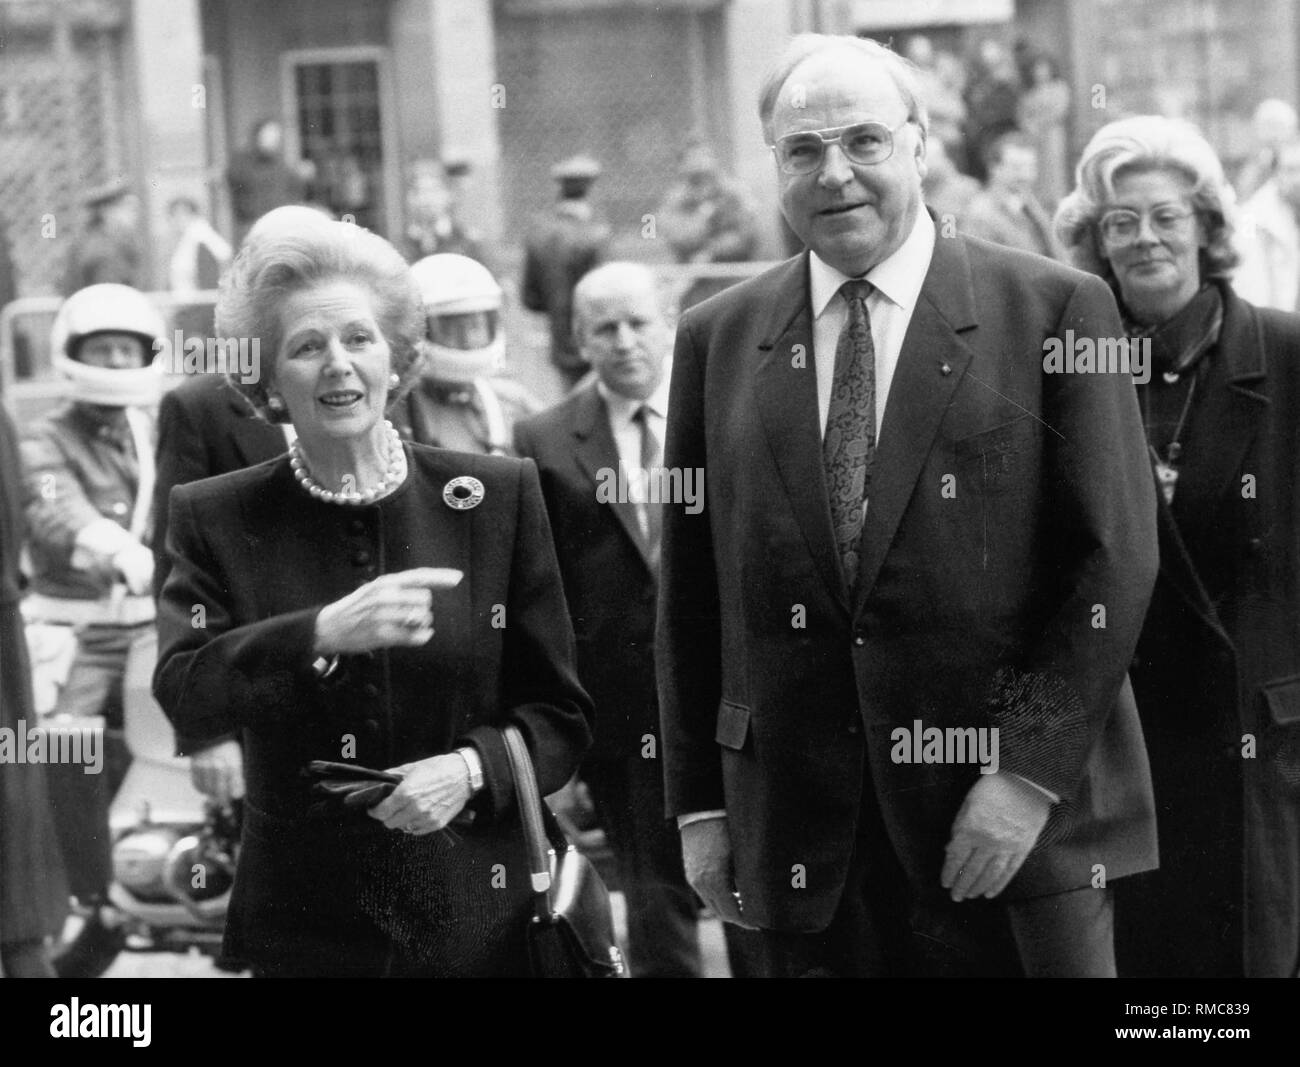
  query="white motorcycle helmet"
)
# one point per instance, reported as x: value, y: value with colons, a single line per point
x: 108, y: 308
x: 462, y: 306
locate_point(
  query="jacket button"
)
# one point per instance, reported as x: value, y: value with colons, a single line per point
x: 855, y: 727
x: 859, y: 640
x: 372, y: 726
x: 1255, y: 546
x: 357, y: 526
x: 370, y: 689
x: 361, y: 557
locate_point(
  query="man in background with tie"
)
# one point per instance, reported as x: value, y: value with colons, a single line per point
x: 908, y: 526
x: 598, y: 453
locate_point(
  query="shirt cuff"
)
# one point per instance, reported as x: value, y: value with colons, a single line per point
x: 474, y: 762
x: 684, y: 821
x: 1054, y: 798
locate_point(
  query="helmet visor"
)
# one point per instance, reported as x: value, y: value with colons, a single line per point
x: 468, y: 331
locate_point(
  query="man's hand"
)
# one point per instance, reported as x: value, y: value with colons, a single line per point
x: 706, y: 855
x: 218, y: 771
x: 992, y: 835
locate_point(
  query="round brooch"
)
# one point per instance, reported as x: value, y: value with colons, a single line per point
x: 463, y: 493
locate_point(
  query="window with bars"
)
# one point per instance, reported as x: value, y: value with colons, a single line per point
x: 338, y: 116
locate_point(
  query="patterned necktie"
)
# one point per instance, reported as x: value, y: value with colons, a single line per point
x: 851, y: 426
x: 653, y: 519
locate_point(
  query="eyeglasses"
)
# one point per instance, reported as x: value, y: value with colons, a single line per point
x: 863, y: 143
x: 1122, y: 226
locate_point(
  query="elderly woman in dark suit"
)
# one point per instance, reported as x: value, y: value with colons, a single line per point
x: 1217, y: 673
x: 365, y: 602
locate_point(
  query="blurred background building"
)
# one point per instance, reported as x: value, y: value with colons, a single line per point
x: 164, y: 94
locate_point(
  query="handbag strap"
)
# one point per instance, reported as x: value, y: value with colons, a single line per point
x: 529, y: 799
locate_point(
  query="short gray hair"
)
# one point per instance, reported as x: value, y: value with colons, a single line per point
x: 805, y: 45
x: 304, y: 251
x: 1135, y: 145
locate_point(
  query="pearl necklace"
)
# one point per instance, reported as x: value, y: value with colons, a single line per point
x: 393, y: 476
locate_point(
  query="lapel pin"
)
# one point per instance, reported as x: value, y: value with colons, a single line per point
x: 463, y: 493
x: 944, y: 368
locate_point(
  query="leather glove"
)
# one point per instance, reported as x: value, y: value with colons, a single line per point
x: 348, y: 787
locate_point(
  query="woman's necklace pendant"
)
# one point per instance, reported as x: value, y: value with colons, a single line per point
x: 1167, y: 475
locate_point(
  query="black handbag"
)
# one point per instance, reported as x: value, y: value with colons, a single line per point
x: 571, y: 934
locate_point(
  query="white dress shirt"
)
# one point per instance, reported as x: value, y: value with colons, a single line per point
x: 621, y: 411
x: 896, y: 282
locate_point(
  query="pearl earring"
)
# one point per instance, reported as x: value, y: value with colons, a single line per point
x: 275, y: 403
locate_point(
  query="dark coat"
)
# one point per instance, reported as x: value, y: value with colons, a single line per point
x: 973, y: 610
x: 562, y: 245
x: 33, y: 892
x: 261, y: 557
x: 1219, y: 659
x: 205, y: 428
x: 608, y: 581
x: 259, y: 183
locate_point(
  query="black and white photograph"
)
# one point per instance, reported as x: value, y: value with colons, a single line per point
x: 742, y: 489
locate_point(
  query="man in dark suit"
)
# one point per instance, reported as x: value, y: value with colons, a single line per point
x: 608, y: 549
x: 909, y: 527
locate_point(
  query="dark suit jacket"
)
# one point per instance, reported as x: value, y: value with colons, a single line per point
x: 976, y: 606
x: 608, y: 581
x: 261, y: 558
x: 205, y: 428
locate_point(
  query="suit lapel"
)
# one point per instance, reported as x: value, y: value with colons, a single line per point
x: 918, y: 397
x: 1230, y: 411
x: 596, y: 452
x: 1230, y: 415
x: 787, y: 405
x: 253, y: 440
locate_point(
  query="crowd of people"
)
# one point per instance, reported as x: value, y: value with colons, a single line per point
x: 852, y: 499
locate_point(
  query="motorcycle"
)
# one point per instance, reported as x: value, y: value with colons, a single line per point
x: 173, y: 854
